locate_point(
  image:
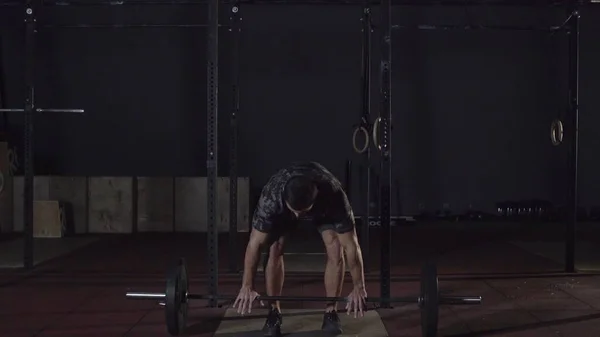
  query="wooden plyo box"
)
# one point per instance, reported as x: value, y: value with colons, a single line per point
x: 48, y: 219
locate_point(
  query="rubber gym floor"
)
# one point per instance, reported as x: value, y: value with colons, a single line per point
x: 524, y: 294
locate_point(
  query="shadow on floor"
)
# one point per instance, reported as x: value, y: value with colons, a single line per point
x: 531, y: 326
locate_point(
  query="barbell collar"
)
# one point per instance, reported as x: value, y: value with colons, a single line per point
x: 145, y: 296
x: 460, y: 300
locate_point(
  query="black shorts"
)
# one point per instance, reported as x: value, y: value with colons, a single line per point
x: 282, y: 230
x: 320, y: 224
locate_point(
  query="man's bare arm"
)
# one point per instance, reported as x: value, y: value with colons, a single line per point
x: 253, y: 250
x: 349, y: 242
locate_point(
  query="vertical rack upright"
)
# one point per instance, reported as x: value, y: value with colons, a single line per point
x: 366, y: 112
x: 30, y: 9
x: 573, y: 123
x: 235, y: 30
x: 385, y: 141
x: 3, y: 115
x: 212, y: 78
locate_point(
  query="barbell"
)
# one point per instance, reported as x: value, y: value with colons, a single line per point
x: 176, y: 297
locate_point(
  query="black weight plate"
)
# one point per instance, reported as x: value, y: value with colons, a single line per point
x: 176, y: 305
x: 183, y: 293
x: 429, y: 301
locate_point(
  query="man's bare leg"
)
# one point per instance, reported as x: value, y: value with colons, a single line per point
x: 274, y: 272
x: 335, y: 268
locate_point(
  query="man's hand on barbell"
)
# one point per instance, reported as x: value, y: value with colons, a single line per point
x: 356, y: 302
x: 245, y: 300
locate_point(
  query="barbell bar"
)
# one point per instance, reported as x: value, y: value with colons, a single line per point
x: 176, y: 296
x: 77, y: 111
x: 456, y: 300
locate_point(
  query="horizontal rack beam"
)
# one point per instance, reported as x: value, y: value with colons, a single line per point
x: 516, y: 3
x: 479, y: 27
x: 122, y: 26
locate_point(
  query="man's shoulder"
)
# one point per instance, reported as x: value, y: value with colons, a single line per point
x: 271, y: 196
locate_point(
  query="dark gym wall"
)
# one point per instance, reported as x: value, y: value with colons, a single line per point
x: 589, y: 162
x: 300, y: 85
x: 472, y: 109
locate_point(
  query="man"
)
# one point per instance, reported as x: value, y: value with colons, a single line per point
x: 303, y: 189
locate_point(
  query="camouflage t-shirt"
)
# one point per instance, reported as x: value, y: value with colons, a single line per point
x: 331, y: 207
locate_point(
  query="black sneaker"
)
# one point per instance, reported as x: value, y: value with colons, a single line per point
x: 331, y: 323
x: 272, y: 326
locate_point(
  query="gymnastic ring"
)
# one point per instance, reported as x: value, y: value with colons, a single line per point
x: 556, y: 132
x: 363, y: 130
x: 376, y: 133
